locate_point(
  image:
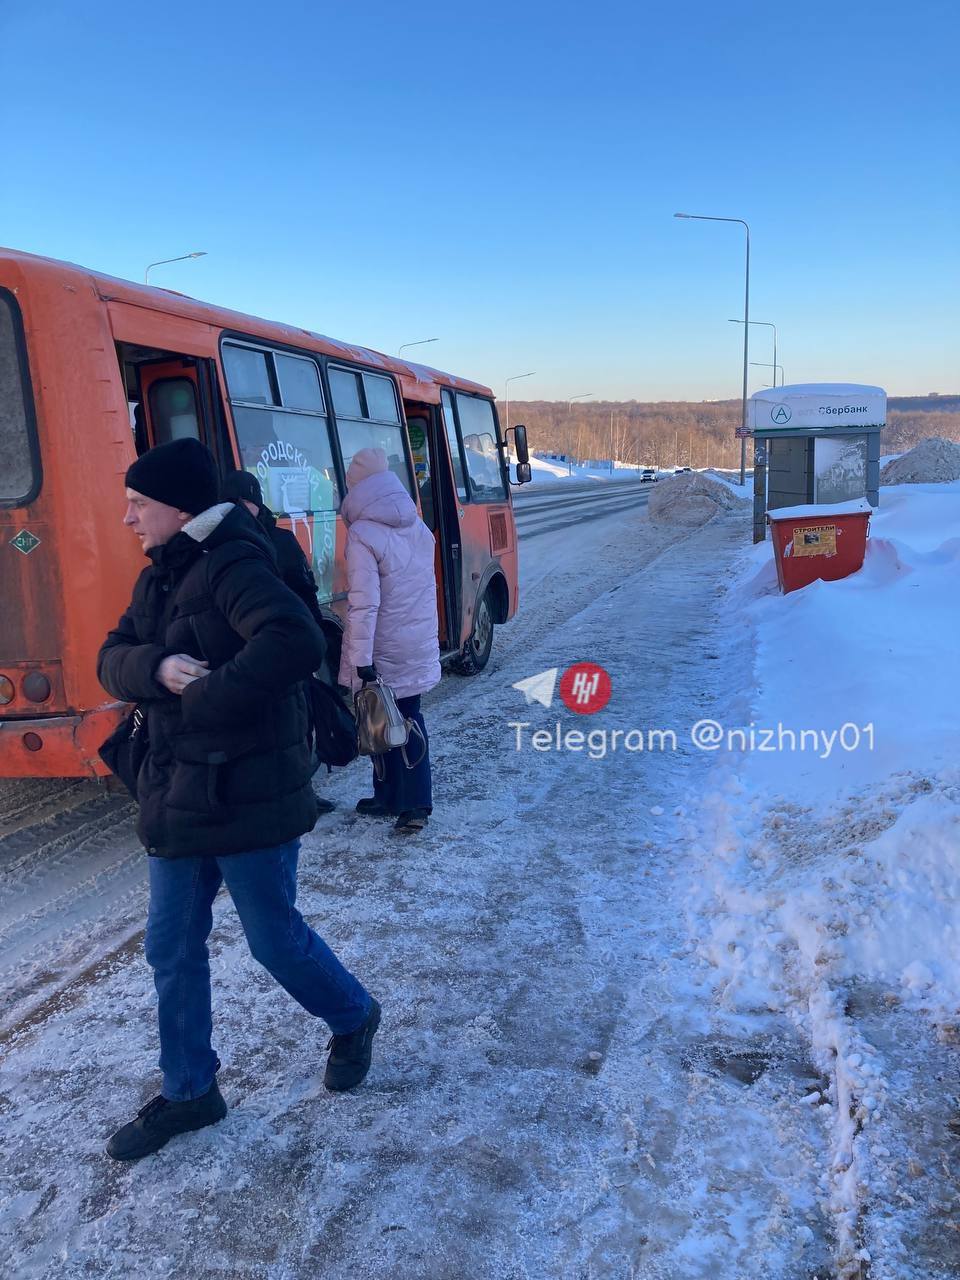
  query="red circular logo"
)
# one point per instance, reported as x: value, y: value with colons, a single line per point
x: 585, y: 688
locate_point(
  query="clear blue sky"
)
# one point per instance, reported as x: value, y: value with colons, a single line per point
x: 504, y: 177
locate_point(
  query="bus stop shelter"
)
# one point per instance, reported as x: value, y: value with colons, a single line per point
x: 815, y: 443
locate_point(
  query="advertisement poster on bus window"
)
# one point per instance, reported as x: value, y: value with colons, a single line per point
x: 324, y: 552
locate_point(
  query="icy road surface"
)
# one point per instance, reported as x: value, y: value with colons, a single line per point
x: 556, y: 1090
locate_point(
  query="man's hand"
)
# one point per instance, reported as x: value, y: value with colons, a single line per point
x: 177, y: 672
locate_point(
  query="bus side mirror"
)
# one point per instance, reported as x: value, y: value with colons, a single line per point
x: 524, y: 473
x: 520, y: 447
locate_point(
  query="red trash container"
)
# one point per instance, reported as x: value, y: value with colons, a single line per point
x: 811, y: 542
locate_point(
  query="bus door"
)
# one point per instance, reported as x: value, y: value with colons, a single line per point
x: 174, y: 397
x: 170, y: 396
x: 439, y: 508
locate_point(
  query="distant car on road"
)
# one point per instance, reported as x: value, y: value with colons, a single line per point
x: 648, y: 473
x: 678, y: 471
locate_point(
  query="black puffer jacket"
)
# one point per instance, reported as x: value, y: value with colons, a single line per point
x: 228, y: 769
x: 292, y: 564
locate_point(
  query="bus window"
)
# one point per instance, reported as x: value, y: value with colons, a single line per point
x: 248, y: 375
x: 173, y: 410
x: 282, y: 428
x: 456, y: 457
x: 480, y: 449
x: 20, y: 473
x: 368, y: 417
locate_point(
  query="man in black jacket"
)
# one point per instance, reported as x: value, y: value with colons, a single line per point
x: 213, y: 648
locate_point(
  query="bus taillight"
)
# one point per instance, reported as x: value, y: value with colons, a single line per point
x: 7, y: 691
x: 36, y: 687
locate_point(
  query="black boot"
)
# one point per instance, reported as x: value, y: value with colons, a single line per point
x: 160, y: 1120
x: 372, y: 808
x: 411, y: 821
x: 350, y: 1055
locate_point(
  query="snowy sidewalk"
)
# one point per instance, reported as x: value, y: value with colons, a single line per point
x: 550, y: 1095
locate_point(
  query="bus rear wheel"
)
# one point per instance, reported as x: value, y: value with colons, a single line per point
x: 476, y: 651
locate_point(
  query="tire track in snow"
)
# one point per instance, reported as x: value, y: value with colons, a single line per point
x: 72, y: 887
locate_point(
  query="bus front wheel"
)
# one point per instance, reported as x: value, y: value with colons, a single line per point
x: 476, y: 651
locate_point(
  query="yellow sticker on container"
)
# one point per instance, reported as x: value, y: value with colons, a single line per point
x: 815, y: 540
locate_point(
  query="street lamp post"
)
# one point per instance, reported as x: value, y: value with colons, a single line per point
x: 506, y: 392
x: 419, y: 343
x: 767, y: 324
x: 201, y: 253
x: 584, y: 395
x: 703, y: 217
x: 757, y: 364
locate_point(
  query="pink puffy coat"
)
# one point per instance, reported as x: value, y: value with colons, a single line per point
x: 391, y: 588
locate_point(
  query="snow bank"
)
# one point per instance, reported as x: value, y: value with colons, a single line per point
x: 544, y: 469
x: 732, y: 480
x: 826, y: 881
x: 875, y: 650
x: 932, y: 461
x: 691, y: 499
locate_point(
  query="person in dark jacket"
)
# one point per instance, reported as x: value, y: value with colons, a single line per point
x: 243, y: 486
x: 292, y: 564
x: 214, y: 649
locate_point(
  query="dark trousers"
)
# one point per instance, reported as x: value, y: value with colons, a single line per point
x: 403, y: 789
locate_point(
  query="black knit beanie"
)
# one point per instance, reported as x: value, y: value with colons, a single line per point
x: 241, y: 486
x: 182, y: 474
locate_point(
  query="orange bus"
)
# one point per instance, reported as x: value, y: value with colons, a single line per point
x: 95, y: 370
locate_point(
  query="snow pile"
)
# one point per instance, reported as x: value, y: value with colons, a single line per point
x: 932, y: 461
x: 826, y: 883
x: 875, y: 650
x: 691, y: 499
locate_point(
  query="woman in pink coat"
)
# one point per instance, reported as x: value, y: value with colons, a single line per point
x: 391, y: 628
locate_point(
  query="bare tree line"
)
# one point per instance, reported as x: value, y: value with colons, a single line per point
x: 685, y: 433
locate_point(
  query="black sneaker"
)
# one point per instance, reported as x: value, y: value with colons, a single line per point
x: 372, y: 808
x: 350, y: 1055
x: 160, y: 1120
x: 411, y: 821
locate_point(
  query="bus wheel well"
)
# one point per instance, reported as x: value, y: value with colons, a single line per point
x: 499, y: 597
x: 491, y: 607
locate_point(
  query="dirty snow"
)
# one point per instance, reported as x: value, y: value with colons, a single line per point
x: 692, y: 499
x: 933, y: 461
x: 829, y: 876
x: 659, y: 1013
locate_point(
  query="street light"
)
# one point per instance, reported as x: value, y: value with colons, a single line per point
x: 768, y: 324
x: 202, y: 253
x: 584, y: 395
x: 756, y: 364
x: 419, y: 343
x: 506, y: 392
x: 704, y: 217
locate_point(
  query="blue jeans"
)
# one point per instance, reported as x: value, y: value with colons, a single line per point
x: 403, y: 789
x: 263, y: 886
